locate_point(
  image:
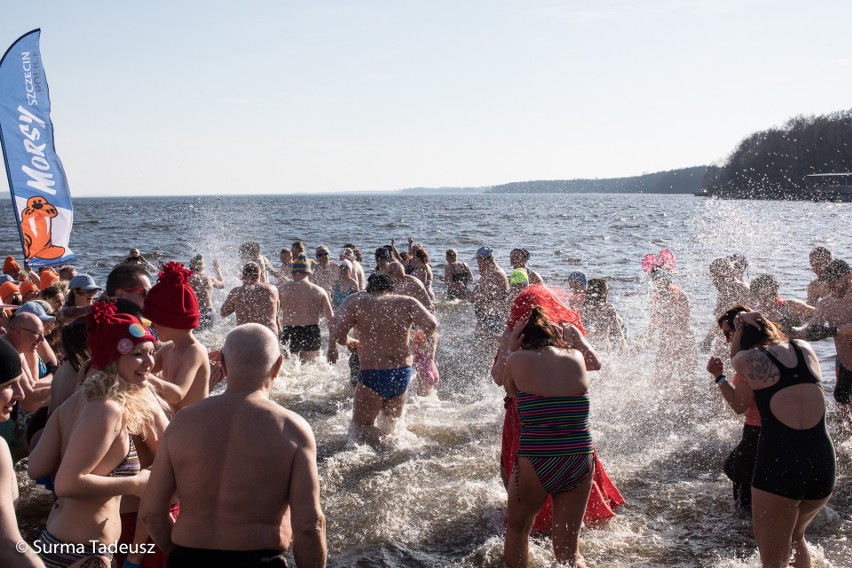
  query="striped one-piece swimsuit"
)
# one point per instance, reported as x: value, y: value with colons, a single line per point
x: 556, y: 439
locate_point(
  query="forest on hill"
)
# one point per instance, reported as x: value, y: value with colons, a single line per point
x: 684, y: 180
x: 776, y: 163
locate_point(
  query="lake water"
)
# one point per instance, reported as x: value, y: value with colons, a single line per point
x: 437, y: 499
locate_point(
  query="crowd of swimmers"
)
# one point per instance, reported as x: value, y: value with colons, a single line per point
x: 108, y: 391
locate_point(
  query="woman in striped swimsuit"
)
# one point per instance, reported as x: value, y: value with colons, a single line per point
x: 87, y: 442
x: 546, y: 373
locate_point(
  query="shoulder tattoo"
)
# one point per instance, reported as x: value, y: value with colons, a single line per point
x: 760, y: 368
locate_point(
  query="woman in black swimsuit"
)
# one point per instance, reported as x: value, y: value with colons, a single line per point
x: 795, y: 467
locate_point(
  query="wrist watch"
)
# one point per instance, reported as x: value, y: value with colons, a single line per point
x: 721, y: 379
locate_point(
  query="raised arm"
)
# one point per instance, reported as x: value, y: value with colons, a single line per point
x: 422, y: 318
x: 218, y: 281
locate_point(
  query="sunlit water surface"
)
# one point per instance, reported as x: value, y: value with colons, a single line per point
x: 437, y: 499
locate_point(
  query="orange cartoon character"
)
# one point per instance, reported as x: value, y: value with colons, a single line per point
x: 36, y: 226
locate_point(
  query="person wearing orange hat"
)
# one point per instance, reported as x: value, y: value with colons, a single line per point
x: 10, y: 293
x: 29, y: 291
x: 95, y: 433
x: 183, y: 363
x: 47, y: 277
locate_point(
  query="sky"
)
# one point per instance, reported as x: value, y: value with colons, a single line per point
x: 183, y: 98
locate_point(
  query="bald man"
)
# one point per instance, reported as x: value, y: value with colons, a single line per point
x: 26, y: 334
x: 245, y: 470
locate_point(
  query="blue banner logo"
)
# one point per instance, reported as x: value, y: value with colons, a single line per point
x: 40, y: 195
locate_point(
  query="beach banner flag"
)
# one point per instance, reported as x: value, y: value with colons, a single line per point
x: 40, y: 196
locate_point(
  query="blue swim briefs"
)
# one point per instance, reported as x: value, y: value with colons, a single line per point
x: 387, y: 383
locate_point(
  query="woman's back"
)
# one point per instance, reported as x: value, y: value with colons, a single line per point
x: 549, y: 372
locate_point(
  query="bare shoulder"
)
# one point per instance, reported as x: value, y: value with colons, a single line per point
x: 756, y: 366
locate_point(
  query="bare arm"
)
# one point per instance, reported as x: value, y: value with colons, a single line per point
x: 498, y: 367
x: 175, y: 389
x: 327, y: 310
x: 218, y: 281
x: 229, y: 306
x: 575, y: 340
x: 9, y: 533
x: 817, y: 329
x: 424, y: 320
x: 155, y: 505
x: 306, y: 517
x: 45, y: 456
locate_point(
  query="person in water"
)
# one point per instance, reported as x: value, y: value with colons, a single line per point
x: 202, y: 284
x: 739, y: 466
x: 384, y: 321
x: 730, y: 291
x: 546, y: 374
x: 794, y: 470
x: 89, y: 441
x: 833, y: 318
x: 600, y: 318
x: 245, y: 469
x: 604, y: 495
x: 669, y: 324
x: 254, y: 301
x: 302, y: 305
x: 818, y: 288
x: 457, y: 276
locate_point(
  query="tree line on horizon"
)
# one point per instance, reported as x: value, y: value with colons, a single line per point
x: 775, y: 163
x: 683, y: 180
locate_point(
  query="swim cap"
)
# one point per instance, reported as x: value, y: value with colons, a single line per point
x: 301, y: 264
x: 578, y: 277
x: 484, y: 252
x: 519, y: 276
x: 196, y: 264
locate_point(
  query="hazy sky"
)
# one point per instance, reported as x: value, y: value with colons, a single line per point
x: 317, y: 96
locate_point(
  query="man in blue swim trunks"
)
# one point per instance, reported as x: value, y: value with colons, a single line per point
x: 383, y: 321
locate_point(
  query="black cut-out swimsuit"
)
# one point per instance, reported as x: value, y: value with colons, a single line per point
x: 797, y: 464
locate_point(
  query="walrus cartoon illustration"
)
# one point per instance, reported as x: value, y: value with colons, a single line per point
x: 37, y: 226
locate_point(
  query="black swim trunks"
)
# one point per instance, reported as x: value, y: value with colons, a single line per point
x: 301, y: 338
x: 843, y: 386
x: 192, y: 557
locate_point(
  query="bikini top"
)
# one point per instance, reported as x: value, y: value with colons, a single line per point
x: 798, y: 375
x: 130, y: 465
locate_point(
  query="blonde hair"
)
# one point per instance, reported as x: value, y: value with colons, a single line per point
x: 138, y: 405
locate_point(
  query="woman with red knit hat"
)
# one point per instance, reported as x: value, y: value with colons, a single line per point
x: 91, y: 436
x: 182, y: 364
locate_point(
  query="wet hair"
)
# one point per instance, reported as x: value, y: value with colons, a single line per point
x: 250, y: 250
x: 596, y: 289
x: 820, y: 253
x: 50, y: 292
x: 451, y: 253
x: 299, y: 245
x: 525, y: 254
x: 286, y: 250
x: 539, y: 331
x: 123, y: 276
x: 767, y: 334
x: 764, y: 285
x: 354, y: 249
x: 836, y: 269
x: 377, y: 283
x: 251, y: 271
x: 721, y: 267
x: 739, y: 261
x: 421, y: 254
x: 74, y: 343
